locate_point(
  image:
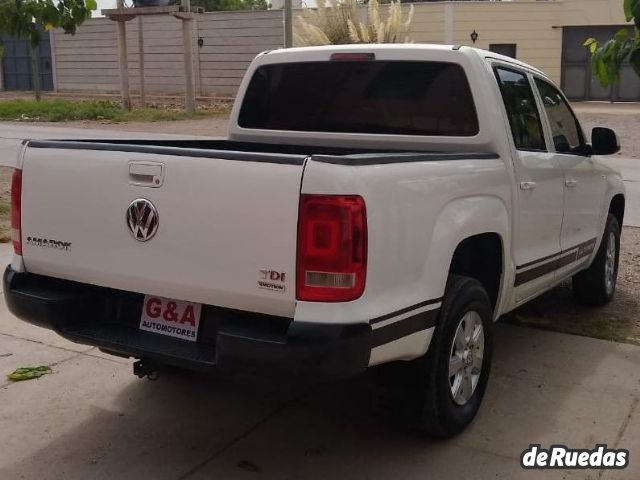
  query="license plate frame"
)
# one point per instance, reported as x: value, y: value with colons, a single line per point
x: 170, y: 317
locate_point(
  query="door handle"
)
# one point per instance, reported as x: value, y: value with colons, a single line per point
x: 146, y: 174
x: 528, y: 185
x: 571, y: 183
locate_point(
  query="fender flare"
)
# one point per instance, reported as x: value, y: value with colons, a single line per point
x: 459, y: 220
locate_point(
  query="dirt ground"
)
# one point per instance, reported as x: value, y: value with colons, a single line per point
x: 619, y: 320
x: 556, y: 310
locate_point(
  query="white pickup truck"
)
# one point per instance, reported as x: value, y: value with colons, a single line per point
x: 373, y: 204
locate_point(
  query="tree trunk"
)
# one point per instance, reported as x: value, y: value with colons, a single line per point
x: 35, y: 69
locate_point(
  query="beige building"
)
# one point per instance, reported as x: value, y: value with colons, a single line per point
x: 546, y: 33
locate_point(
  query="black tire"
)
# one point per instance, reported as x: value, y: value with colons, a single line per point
x: 425, y: 383
x: 590, y: 287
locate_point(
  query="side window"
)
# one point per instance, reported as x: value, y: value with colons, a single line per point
x: 522, y: 111
x: 565, y: 129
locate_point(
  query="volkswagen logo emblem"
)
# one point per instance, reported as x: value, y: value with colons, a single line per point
x: 142, y: 219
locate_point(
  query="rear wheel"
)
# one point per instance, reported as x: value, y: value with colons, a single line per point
x: 442, y: 391
x: 597, y: 284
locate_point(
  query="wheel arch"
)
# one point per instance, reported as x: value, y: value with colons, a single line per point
x: 481, y: 257
x: 471, y: 234
x: 616, y: 207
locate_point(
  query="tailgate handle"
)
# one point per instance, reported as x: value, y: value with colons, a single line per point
x: 146, y: 174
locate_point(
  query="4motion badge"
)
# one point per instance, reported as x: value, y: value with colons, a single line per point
x: 142, y: 219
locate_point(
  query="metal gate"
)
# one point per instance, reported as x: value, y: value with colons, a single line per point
x: 578, y: 82
x: 16, y: 65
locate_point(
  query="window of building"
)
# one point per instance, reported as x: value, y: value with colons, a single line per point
x: 507, y: 49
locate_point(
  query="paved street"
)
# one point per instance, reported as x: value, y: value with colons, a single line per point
x: 12, y: 134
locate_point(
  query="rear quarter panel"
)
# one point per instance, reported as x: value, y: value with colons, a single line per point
x: 417, y: 214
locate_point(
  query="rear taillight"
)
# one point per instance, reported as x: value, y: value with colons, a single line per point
x: 16, y: 211
x: 332, y: 248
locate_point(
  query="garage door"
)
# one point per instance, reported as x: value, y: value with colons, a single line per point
x: 16, y: 64
x: 577, y: 81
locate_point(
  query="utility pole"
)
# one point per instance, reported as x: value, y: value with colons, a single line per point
x: 143, y: 99
x: 121, y: 15
x: 288, y: 24
x: 124, y: 60
x: 187, y: 39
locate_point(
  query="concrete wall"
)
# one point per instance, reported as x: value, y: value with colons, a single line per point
x: 88, y: 60
x: 230, y: 41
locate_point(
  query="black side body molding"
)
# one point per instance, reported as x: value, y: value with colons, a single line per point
x: 385, y: 159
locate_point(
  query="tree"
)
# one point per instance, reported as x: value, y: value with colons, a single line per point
x: 219, y: 5
x: 607, y: 58
x: 28, y: 19
x: 345, y: 22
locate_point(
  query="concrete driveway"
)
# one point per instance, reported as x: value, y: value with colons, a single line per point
x: 92, y: 419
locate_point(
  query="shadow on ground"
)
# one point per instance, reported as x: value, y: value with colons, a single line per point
x: 92, y: 420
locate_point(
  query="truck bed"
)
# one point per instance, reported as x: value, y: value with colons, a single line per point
x: 225, y: 213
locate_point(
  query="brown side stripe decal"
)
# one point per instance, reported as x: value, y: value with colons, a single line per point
x: 572, y: 255
x: 397, y: 313
x: 404, y: 327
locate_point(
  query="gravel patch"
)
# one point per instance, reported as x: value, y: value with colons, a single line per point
x: 619, y: 320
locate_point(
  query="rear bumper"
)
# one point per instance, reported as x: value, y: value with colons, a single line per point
x: 228, y: 340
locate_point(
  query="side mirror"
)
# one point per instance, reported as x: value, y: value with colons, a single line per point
x: 604, y: 141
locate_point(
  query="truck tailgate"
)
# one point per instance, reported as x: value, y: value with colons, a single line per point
x: 226, y: 232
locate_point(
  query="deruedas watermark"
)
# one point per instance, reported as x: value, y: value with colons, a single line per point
x: 563, y: 457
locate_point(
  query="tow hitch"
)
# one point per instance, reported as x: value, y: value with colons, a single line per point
x: 146, y: 368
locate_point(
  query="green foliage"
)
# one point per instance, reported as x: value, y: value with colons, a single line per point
x: 102, y: 110
x: 28, y: 18
x: 607, y: 58
x: 224, y: 5
x: 58, y: 110
x: 28, y: 373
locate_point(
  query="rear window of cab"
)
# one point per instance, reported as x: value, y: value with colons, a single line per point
x: 378, y: 97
